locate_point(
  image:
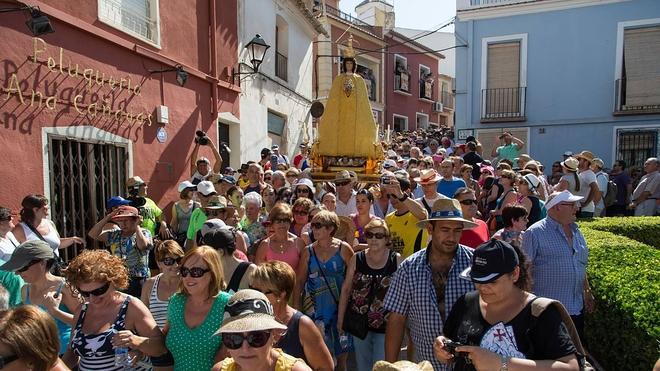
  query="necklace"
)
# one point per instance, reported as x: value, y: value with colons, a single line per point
x: 281, y: 249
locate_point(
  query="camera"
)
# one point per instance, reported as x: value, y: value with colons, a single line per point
x: 134, y: 197
x: 451, y: 346
x: 201, y: 138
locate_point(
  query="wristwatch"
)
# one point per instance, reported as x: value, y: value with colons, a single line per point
x: 403, y: 198
x: 505, y: 363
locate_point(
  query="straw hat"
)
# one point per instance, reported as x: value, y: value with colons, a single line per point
x: 343, y: 175
x: 427, y: 176
x: 402, y: 366
x: 570, y: 163
x: 586, y: 155
x: 447, y: 209
x: 248, y: 310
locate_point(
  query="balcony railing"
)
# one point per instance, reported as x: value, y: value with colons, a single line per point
x: 281, y: 66
x: 346, y: 17
x: 129, y: 18
x: 447, y: 99
x: 629, y: 103
x: 476, y: 4
x: 503, y: 104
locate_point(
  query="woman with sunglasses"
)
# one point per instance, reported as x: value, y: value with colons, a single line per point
x: 302, y: 339
x: 109, y: 318
x: 301, y: 208
x: 321, y: 273
x: 196, y: 311
x: 156, y: 291
x: 528, y: 196
x: 32, y: 261
x: 304, y: 188
x: 284, y: 195
x: 29, y: 341
x: 281, y: 245
x: 249, y: 332
x: 361, y: 302
x: 364, y: 201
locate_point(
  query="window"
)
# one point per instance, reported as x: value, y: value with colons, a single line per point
x: 369, y: 79
x: 400, y: 123
x: 401, y: 74
x: 276, y: 123
x: 425, y: 83
x: 504, y: 78
x: 639, y: 86
x: 138, y: 18
x: 634, y: 146
x: 422, y: 121
x: 281, y: 48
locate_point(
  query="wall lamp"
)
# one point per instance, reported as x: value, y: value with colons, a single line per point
x: 257, y: 51
x: 181, y: 75
x: 38, y: 23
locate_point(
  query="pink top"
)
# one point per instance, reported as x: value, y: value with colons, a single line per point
x: 290, y: 256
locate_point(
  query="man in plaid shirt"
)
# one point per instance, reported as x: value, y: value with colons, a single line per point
x: 427, y: 284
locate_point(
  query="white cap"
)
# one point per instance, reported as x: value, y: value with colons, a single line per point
x: 185, y: 184
x: 559, y: 197
x: 533, y: 182
x: 389, y: 163
x: 305, y: 182
x: 205, y: 188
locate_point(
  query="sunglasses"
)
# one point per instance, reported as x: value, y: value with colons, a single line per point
x: 318, y: 225
x: 96, y: 292
x: 341, y: 184
x: 27, y: 266
x: 195, y: 272
x: 300, y: 212
x: 281, y: 221
x: 170, y: 261
x: 5, y: 360
x: 255, y: 339
x: 302, y: 190
x: 468, y: 202
x: 378, y: 236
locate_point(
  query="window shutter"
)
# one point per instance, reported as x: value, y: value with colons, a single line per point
x: 503, y: 79
x: 641, y: 48
x: 275, y: 124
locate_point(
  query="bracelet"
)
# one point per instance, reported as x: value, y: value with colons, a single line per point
x: 504, y: 363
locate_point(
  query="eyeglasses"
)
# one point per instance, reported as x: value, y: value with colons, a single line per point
x: 341, y: 184
x: 96, y: 292
x: 170, y: 261
x: 27, y: 266
x: 302, y: 190
x: 318, y: 225
x: 267, y: 179
x: 468, y: 202
x: 281, y: 221
x: 255, y: 339
x: 378, y: 236
x: 214, y: 212
x: 5, y: 360
x: 195, y: 272
x: 300, y: 212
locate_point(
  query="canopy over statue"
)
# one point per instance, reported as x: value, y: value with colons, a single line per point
x: 347, y: 133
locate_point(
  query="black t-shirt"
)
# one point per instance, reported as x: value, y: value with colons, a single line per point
x: 473, y: 158
x: 524, y: 336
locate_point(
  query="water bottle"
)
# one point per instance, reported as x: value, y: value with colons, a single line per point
x: 121, y: 357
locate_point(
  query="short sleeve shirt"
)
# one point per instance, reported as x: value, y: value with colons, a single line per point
x: 126, y: 248
x: 150, y: 214
x: 12, y: 283
x: 586, y: 178
x: 404, y: 233
x: 197, y: 220
x: 509, y: 152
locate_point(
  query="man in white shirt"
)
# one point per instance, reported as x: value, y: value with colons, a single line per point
x: 201, y: 168
x: 345, y: 194
x: 7, y: 240
x: 601, y: 179
x: 645, y: 196
x: 588, y: 186
x: 428, y: 179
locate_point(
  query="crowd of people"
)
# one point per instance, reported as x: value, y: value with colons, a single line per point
x: 448, y: 260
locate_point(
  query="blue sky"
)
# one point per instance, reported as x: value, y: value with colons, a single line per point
x: 419, y: 14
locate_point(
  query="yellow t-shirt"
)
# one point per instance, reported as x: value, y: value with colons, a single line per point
x: 404, y: 233
x: 284, y: 362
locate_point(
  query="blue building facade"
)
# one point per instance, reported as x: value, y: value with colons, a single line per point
x: 562, y: 75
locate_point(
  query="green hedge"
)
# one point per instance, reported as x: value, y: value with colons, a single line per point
x: 645, y: 229
x: 624, y: 331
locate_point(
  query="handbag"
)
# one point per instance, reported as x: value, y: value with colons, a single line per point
x: 357, y: 324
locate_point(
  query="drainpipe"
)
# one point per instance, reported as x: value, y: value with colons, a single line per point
x: 214, y: 56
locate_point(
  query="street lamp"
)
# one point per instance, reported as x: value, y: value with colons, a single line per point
x: 256, y: 48
x: 38, y: 23
x: 181, y: 74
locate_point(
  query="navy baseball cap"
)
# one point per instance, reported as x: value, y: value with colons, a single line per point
x: 490, y: 261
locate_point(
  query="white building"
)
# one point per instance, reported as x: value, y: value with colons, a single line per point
x: 275, y: 102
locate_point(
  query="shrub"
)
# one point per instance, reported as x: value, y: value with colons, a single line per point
x: 624, y: 331
x: 645, y: 229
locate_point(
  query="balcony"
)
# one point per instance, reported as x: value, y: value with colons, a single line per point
x: 478, y: 4
x: 334, y: 12
x: 281, y: 66
x: 642, y: 98
x: 447, y: 99
x: 503, y: 104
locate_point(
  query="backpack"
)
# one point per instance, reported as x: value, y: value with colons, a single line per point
x: 540, y: 304
x: 610, y: 197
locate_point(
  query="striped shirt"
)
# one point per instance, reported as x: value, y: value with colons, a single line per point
x: 412, y: 294
x: 558, y: 269
x: 157, y: 307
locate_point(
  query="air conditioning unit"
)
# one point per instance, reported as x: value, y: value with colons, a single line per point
x: 437, y: 107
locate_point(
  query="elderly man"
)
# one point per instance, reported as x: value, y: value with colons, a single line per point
x: 427, y: 284
x: 255, y: 175
x: 345, y: 194
x: 647, y: 193
x: 428, y: 179
x: 558, y: 255
x: 510, y: 149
